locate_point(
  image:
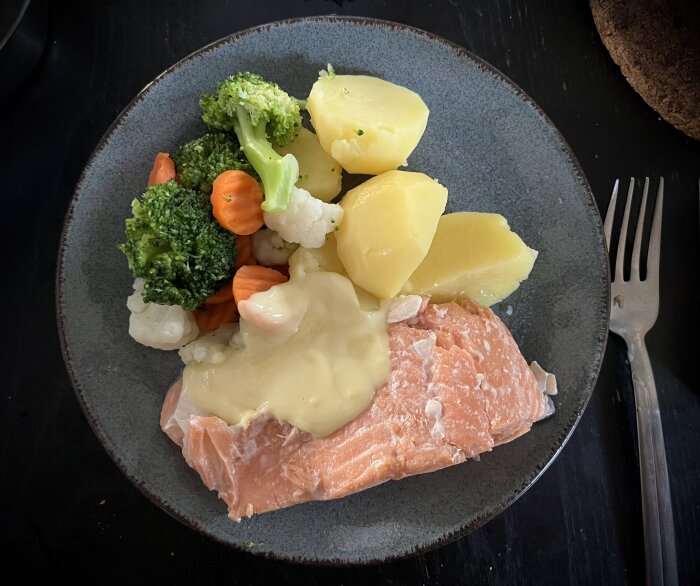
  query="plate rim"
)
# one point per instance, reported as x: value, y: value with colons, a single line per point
x: 95, y: 425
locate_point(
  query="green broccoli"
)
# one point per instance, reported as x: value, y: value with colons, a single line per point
x: 177, y: 247
x: 257, y: 110
x: 200, y: 161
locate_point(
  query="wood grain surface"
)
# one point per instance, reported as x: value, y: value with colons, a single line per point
x: 68, y: 513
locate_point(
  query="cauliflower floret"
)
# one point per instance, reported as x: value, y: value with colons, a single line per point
x: 209, y: 348
x: 165, y: 327
x: 135, y: 302
x: 279, y: 309
x: 270, y: 250
x: 306, y: 220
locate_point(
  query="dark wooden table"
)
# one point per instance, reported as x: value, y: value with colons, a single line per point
x: 68, y: 513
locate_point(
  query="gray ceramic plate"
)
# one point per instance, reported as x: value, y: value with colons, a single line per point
x: 495, y: 151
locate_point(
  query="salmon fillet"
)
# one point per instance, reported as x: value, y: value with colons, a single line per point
x: 458, y: 387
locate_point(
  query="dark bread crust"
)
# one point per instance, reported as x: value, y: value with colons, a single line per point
x: 656, y: 44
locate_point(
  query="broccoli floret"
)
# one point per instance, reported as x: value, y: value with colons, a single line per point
x: 257, y: 111
x: 178, y: 248
x: 200, y: 161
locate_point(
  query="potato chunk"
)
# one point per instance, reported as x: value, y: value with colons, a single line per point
x: 366, y: 124
x: 319, y: 174
x: 387, y: 228
x: 473, y: 256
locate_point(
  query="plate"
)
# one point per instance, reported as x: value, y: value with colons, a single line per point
x: 493, y: 148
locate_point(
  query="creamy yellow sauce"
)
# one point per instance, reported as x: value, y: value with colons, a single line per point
x: 317, y: 377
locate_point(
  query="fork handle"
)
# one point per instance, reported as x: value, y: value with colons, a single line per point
x: 659, y: 538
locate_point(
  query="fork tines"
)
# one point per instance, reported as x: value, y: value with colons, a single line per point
x: 652, y: 268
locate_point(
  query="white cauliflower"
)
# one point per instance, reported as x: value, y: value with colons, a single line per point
x: 279, y: 309
x: 269, y: 249
x: 306, y: 220
x: 165, y: 327
x: 209, y: 348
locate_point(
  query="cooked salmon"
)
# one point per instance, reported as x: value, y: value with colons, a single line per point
x: 458, y: 387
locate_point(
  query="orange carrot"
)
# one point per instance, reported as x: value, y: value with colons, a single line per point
x: 225, y: 293
x: 163, y: 170
x: 212, y: 315
x: 284, y: 269
x: 245, y: 251
x: 236, y: 198
x: 251, y: 279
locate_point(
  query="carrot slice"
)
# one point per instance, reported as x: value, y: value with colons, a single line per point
x: 236, y: 198
x: 284, y: 269
x: 163, y: 170
x: 244, y: 257
x: 225, y: 293
x: 252, y: 279
x: 213, y: 315
x: 245, y: 251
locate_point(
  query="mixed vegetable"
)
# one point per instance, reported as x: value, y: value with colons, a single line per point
x: 259, y: 112
x: 176, y: 246
x: 201, y: 161
x: 220, y: 220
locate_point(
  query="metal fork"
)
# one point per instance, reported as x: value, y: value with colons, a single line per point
x: 635, y: 307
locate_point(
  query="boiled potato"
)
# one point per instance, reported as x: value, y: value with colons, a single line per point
x: 473, y: 256
x: 319, y: 174
x: 366, y: 124
x: 387, y: 228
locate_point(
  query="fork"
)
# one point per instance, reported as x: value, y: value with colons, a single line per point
x: 634, y: 309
